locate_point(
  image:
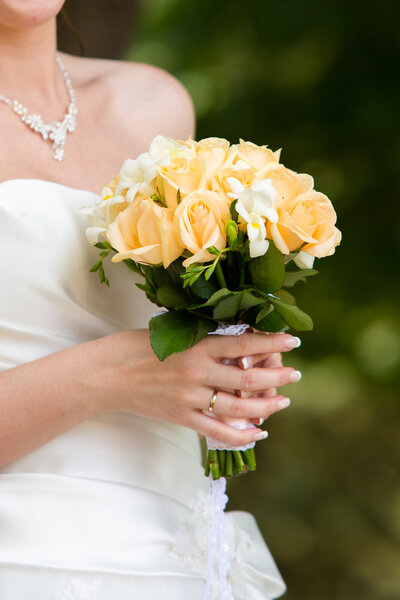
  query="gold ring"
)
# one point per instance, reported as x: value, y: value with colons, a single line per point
x: 212, y: 401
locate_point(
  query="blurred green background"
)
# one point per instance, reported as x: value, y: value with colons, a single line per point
x: 320, y: 80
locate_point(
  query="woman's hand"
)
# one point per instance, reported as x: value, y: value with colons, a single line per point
x: 179, y: 389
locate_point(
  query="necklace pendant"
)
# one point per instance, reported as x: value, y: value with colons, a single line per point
x: 58, y: 153
x: 55, y: 132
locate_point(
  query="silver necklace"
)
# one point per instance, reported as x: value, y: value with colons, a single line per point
x: 56, y: 131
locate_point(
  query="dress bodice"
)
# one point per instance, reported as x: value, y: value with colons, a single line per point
x: 49, y: 300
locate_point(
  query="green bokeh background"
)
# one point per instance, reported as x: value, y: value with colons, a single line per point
x: 319, y: 80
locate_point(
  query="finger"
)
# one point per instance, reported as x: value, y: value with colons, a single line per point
x: 272, y: 361
x: 260, y: 360
x: 214, y: 429
x: 251, y: 380
x: 235, y: 346
x: 229, y: 405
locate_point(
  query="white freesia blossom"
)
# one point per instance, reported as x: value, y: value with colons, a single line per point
x: 258, y: 199
x: 100, y: 215
x: 136, y: 175
x: 304, y: 260
x: 254, y: 204
x: 257, y: 236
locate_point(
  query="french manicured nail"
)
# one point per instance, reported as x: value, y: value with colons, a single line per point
x: 246, y: 363
x: 284, y: 403
x: 262, y: 435
x: 293, y: 342
x: 295, y: 376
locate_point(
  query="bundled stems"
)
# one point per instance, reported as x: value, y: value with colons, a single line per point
x: 227, y: 463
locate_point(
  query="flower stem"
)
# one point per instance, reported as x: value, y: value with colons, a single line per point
x: 207, y: 467
x: 241, y: 467
x: 214, y: 464
x: 222, y: 461
x: 220, y: 275
x: 228, y: 464
x: 250, y: 459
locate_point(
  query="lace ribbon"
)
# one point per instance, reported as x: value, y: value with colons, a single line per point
x: 217, y: 546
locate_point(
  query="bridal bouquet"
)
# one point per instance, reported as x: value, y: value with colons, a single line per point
x: 218, y: 232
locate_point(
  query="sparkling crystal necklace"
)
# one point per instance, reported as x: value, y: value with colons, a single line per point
x: 56, y: 131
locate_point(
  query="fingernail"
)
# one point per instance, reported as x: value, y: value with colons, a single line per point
x: 284, y: 403
x: 261, y: 436
x: 293, y: 342
x: 245, y: 362
x: 295, y: 376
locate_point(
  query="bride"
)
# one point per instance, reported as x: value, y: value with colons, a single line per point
x: 101, y: 485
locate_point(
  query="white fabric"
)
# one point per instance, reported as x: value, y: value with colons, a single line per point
x: 102, y: 511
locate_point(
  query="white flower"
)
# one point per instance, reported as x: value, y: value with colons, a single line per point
x: 100, y: 215
x: 137, y: 175
x: 258, y: 199
x: 304, y: 260
x: 254, y: 204
x: 257, y: 233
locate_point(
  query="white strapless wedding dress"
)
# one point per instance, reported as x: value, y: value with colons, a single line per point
x: 115, y: 508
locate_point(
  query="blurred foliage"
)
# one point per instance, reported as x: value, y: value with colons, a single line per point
x: 319, y: 79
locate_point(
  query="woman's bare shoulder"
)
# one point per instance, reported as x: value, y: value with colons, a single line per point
x: 138, y: 93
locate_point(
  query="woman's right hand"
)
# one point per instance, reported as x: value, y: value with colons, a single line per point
x: 179, y: 389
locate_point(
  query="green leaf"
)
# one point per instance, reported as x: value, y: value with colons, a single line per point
x: 233, y: 211
x: 292, y: 315
x: 248, y: 300
x: 214, y: 250
x: 96, y: 266
x: 133, y: 266
x: 268, y: 271
x: 218, y: 296
x: 286, y: 296
x: 210, y: 270
x: 178, y: 196
x: 293, y: 277
x: 271, y: 322
x: 228, y: 307
x: 204, y: 327
x: 203, y: 289
x: 148, y: 290
x: 173, y: 331
x: 160, y: 276
x: 264, y: 312
x: 103, y: 245
x: 170, y: 297
x: 157, y: 198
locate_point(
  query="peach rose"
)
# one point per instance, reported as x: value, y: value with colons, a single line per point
x: 256, y: 156
x: 288, y: 184
x: 200, y: 219
x: 145, y: 232
x: 182, y: 173
x: 245, y: 175
x: 213, y: 151
x: 307, y: 219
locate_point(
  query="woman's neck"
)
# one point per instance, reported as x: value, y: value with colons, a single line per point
x: 28, y: 68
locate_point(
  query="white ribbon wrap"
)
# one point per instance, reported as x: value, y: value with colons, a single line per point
x: 217, y: 547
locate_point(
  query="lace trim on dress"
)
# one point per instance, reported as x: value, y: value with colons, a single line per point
x: 79, y: 588
x: 191, y: 549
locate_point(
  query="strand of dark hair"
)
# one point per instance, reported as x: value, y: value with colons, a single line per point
x: 72, y: 29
